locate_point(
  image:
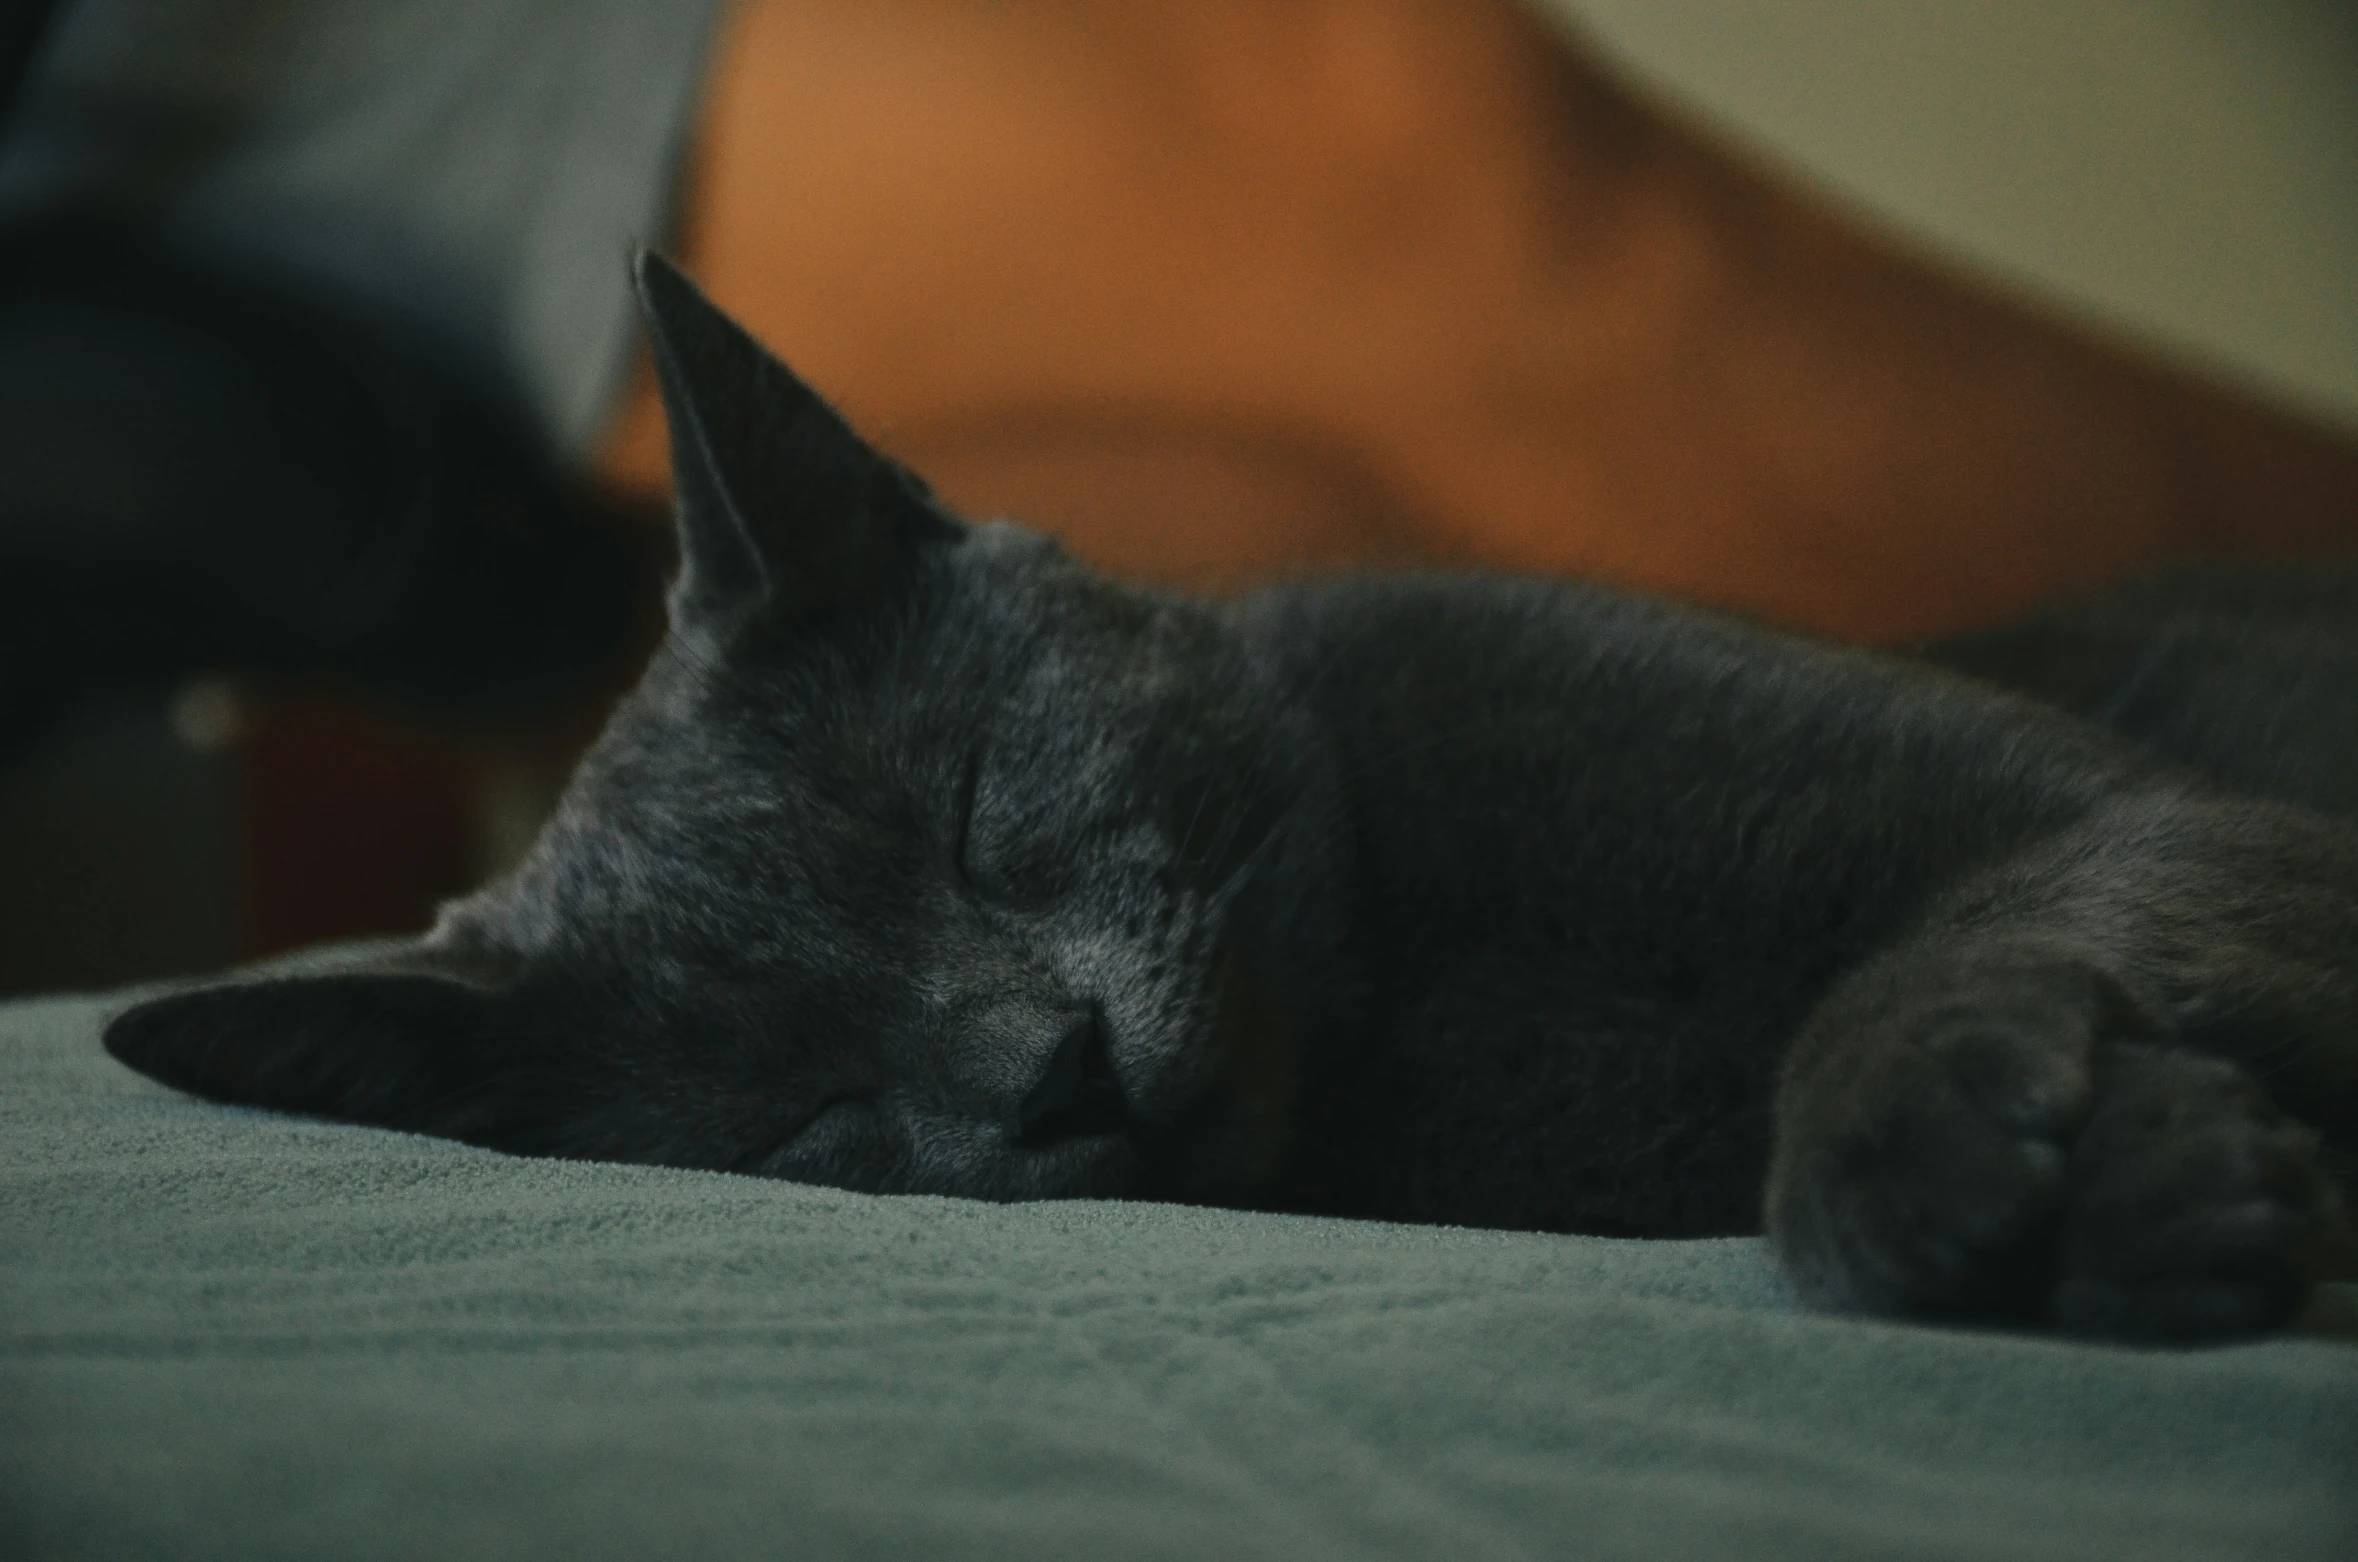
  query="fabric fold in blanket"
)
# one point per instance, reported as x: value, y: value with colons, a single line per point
x: 229, y: 1334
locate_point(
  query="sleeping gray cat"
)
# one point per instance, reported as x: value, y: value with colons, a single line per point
x: 924, y: 860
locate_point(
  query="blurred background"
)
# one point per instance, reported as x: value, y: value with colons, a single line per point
x: 331, y: 491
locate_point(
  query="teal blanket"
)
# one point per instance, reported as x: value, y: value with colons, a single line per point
x: 227, y: 1334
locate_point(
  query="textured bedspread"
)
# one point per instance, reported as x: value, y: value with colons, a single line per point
x: 226, y: 1334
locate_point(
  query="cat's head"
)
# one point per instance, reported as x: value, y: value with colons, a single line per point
x: 920, y: 859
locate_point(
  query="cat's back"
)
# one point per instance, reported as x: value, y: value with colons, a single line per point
x: 1553, y: 733
x: 1486, y: 644
x: 1479, y: 658
x: 2247, y: 674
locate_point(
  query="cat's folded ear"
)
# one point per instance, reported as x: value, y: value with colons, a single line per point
x: 411, y: 1042
x: 782, y: 506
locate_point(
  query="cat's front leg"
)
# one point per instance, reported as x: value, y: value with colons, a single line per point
x: 2000, y: 1126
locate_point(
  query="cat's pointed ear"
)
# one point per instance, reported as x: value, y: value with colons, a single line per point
x: 781, y: 505
x: 415, y: 1041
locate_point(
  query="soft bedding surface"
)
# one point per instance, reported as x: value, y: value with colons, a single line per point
x: 228, y: 1334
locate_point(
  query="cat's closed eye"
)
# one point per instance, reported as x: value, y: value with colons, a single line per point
x: 1009, y: 857
x: 962, y: 830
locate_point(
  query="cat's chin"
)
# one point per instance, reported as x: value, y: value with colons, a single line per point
x: 1221, y: 1150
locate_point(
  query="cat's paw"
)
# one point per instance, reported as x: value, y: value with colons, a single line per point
x: 1921, y: 1159
x: 2012, y: 1141
x: 2191, y: 1199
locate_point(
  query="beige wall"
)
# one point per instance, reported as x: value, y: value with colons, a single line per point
x: 2184, y: 169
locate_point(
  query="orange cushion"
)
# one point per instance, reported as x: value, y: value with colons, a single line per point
x: 1216, y: 287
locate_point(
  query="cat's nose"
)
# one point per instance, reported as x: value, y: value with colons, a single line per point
x: 1078, y: 1095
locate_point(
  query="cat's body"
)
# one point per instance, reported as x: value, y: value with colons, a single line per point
x: 1606, y: 855
x: 923, y: 860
